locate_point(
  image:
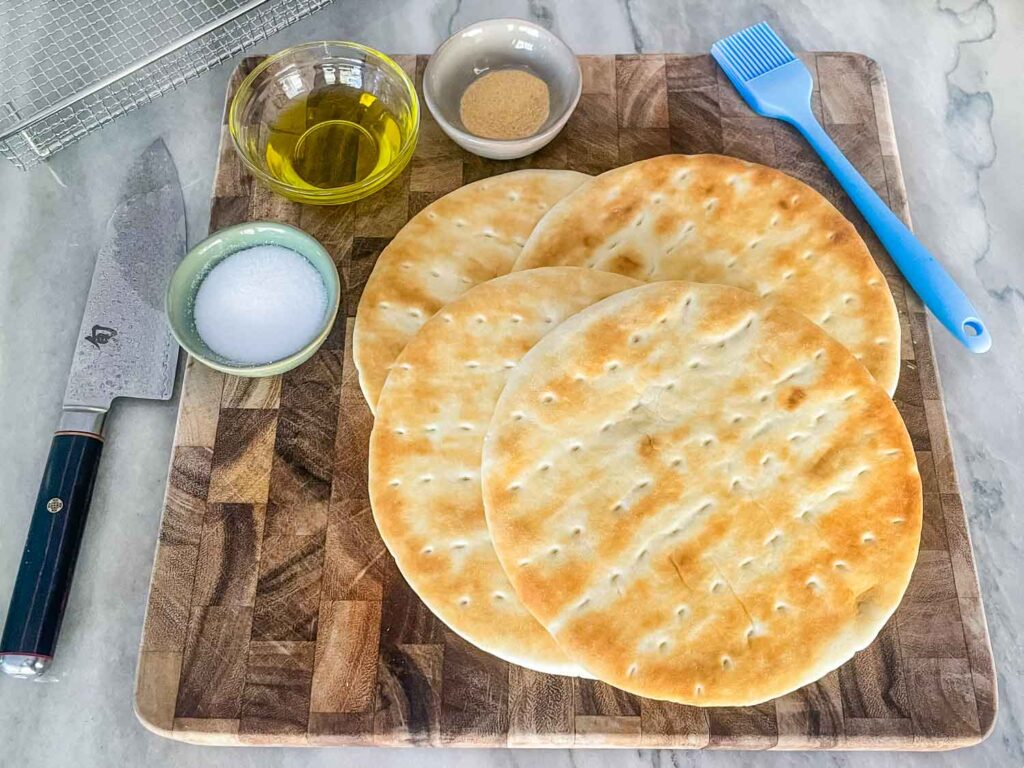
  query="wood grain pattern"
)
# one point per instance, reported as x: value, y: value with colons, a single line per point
x: 302, y: 465
x: 923, y: 617
x: 229, y: 553
x: 206, y: 730
x: 214, y: 662
x: 276, y: 694
x: 346, y: 656
x: 155, y: 697
x: 287, y: 602
x: 408, y: 706
x: 540, y: 708
x: 242, y: 392
x: 744, y: 727
x: 276, y: 614
x: 607, y: 731
x: 666, y: 724
x: 474, y: 695
x: 174, y: 566
x: 200, y: 406
x: 596, y: 698
x: 242, y: 456
x: 873, y: 684
x: 811, y: 718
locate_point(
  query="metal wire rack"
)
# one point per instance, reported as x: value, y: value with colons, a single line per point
x: 70, y: 66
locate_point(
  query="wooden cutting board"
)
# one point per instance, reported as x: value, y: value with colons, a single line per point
x: 276, y: 615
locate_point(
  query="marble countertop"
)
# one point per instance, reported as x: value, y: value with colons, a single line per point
x: 953, y: 68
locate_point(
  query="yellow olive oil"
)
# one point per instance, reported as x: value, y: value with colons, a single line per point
x: 331, y: 137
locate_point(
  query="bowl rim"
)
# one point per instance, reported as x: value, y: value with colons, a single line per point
x: 273, y: 367
x: 372, y: 181
x: 541, y: 136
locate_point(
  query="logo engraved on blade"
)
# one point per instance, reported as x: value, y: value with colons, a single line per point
x: 100, y: 335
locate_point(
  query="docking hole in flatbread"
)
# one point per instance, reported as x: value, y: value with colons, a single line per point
x: 425, y: 452
x: 466, y: 237
x: 701, y: 495
x: 715, y: 219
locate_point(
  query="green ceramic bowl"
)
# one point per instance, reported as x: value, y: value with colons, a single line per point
x: 181, y: 293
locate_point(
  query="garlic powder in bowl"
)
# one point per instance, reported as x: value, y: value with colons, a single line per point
x: 505, y: 104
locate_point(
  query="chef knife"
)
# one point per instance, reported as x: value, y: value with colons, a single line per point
x: 124, y: 349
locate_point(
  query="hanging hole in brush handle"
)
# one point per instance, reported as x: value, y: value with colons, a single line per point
x: 976, y: 334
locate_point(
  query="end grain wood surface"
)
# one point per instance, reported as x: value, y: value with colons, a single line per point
x: 276, y: 615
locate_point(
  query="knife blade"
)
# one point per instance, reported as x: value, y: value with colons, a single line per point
x: 124, y: 349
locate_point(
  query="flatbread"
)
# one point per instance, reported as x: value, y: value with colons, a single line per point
x: 715, y: 219
x: 466, y: 237
x: 426, y: 444
x: 701, y: 495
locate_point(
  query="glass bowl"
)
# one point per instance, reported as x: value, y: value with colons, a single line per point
x: 282, y: 93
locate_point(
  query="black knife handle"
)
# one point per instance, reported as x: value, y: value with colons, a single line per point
x: 54, y: 537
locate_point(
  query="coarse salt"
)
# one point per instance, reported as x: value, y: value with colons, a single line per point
x: 260, y: 304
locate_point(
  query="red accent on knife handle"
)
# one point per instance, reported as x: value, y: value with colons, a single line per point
x: 51, y: 549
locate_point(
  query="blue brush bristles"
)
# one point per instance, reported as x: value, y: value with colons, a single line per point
x: 752, y: 51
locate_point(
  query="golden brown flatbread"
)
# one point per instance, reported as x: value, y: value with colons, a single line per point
x: 701, y: 495
x: 425, y: 452
x: 468, y: 236
x: 715, y: 219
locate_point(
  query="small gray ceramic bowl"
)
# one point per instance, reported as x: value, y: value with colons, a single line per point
x: 181, y: 293
x: 501, y: 44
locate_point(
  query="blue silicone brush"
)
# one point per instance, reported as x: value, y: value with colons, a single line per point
x: 776, y: 84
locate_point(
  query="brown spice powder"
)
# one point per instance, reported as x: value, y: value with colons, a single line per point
x: 505, y: 104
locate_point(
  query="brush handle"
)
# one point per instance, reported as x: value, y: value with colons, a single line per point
x: 932, y: 283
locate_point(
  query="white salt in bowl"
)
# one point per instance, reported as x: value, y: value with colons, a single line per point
x: 490, y: 46
x: 198, y: 263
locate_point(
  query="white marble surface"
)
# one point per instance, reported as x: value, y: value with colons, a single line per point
x: 953, y: 68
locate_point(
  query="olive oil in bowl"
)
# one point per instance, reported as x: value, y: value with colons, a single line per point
x: 335, y: 136
x: 325, y: 123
